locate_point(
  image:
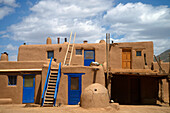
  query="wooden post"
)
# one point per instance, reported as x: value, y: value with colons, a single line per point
x: 169, y: 63
x: 107, y: 54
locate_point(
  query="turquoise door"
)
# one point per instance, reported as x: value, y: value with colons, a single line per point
x: 28, y: 88
x: 89, y: 56
x: 74, y: 87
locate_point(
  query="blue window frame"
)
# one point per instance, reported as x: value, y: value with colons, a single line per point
x: 12, y: 80
x: 50, y: 54
x: 78, y: 52
x: 138, y: 53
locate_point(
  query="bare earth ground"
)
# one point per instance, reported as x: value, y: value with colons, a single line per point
x: 76, y: 109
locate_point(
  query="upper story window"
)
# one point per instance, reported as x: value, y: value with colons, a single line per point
x: 12, y: 80
x: 138, y: 53
x: 78, y: 52
x: 50, y: 54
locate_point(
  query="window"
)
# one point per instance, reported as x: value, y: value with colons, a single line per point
x: 138, y: 53
x: 74, y: 83
x: 12, y: 80
x: 89, y: 55
x: 28, y: 81
x: 78, y: 52
x: 50, y: 54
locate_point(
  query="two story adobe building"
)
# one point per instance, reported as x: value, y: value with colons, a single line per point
x: 133, y: 76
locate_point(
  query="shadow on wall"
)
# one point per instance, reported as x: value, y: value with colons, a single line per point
x: 38, y: 96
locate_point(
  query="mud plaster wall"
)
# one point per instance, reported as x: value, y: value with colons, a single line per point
x: 16, y: 92
x: 137, y: 61
x: 87, y: 79
x: 39, y: 52
x: 164, y: 65
x: 13, y: 92
x: 165, y: 88
x: 21, y: 65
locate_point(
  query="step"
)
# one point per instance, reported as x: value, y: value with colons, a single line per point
x: 51, y: 87
x: 49, y: 99
x: 51, y: 84
x: 50, y: 90
x: 48, y: 102
x: 54, y: 71
x: 52, y: 81
x: 53, y: 75
x: 49, y: 96
x: 54, y: 68
x: 47, y: 105
x: 50, y: 93
x: 53, y: 78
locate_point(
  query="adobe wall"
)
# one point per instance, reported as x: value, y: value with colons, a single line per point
x: 15, y: 93
x: 137, y: 61
x: 12, y: 92
x: 164, y: 85
x: 87, y: 79
x: 164, y: 65
x: 21, y: 64
x: 39, y: 52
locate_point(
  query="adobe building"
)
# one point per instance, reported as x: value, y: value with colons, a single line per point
x: 133, y: 77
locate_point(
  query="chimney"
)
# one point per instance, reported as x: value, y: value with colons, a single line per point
x: 4, y: 56
x: 65, y: 39
x: 58, y: 40
x: 48, y: 41
x: 85, y: 41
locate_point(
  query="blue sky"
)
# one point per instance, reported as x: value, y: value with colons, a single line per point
x: 32, y: 21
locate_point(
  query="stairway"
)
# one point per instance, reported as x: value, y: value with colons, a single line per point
x: 49, y: 96
x: 69, y: 52
x: 51, y: 86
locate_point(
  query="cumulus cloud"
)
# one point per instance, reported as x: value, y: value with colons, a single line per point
x: 91, y: 19
x: 8, y: 7
x: 11, y: 47
x: 60, y: 18
x: 140, y: 22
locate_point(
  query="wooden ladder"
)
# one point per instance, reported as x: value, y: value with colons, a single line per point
x: 69, y: 53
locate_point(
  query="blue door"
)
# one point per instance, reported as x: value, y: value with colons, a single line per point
x: 28, y: 88
x: 74, y: 88
x: 89, y: 56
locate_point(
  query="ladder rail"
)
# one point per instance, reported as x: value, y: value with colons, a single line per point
x: 57, y: 84
x: 67, y: 49
x: 46, y: 83
x: 72, y: 48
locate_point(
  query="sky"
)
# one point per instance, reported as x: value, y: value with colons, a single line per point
x: 32, y: 21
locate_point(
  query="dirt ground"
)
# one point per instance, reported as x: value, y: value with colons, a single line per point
x: 76, y: 109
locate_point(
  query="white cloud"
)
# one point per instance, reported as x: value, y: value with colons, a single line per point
x: 141, y: 22
x: 11, y: 3
x: 91, y: 19
x: 11, y: 47
x: 5, y: 11
x: 8, y: 7
x: 60, y: 18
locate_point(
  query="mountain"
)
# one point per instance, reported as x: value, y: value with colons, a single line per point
x: 164, y: 56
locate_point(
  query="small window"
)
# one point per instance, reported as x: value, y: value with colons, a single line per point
x: 74, y: 83
x: 28, y: 81
x: 12, y: 80
x: 89, y: 55
x: 50, y: 54
x: 78, y: 52
x: 138, y: 53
